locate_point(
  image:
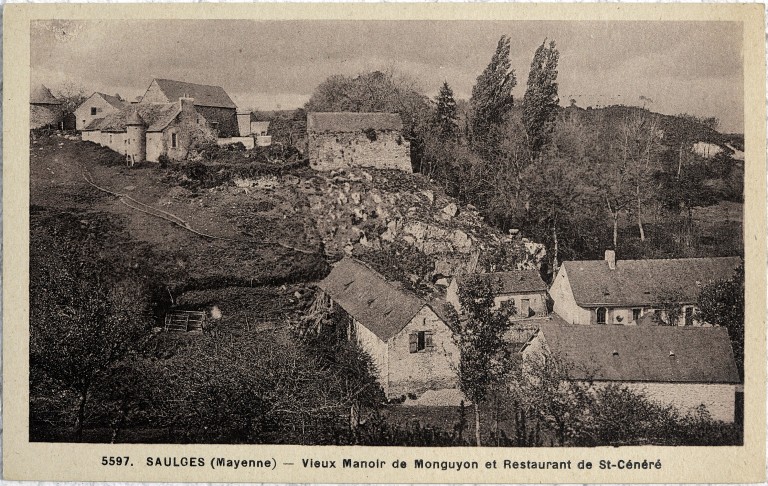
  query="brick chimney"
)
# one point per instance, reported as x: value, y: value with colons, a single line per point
x: 610, y: 257
x: 244, y: 123
x: 187, y: 104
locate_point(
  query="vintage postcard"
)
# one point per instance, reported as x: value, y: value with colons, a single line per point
x: 369, y: 243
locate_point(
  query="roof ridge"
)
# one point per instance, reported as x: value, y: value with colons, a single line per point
x: 381, y: 277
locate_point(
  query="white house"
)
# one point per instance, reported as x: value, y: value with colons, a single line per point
x: 614, y: 291
x: 98, y: 105
x: 685, y: 367
x: 523, y: 288
x: 409, y: 342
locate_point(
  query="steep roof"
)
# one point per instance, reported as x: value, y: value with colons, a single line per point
x: 155, y: 116
x: 515, y: 281
x: 634, y: 353
x: 374, y: 302
x: 94, y: 125
x: 113, y: 100
x: 352, y: 122
x: 645, y: 282
x: 40, y: 95
x: 204, y: 95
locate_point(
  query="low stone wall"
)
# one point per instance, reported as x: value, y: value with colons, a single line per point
x: 247, y: 141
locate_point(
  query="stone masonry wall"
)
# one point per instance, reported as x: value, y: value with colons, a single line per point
x: 44, y: 115
x: 382, y: 150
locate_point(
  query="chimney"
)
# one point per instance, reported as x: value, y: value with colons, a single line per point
x: 187, y: 104
x: 610, y: 257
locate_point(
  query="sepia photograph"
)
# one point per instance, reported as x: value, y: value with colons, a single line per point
x: 386, y: 233
x: 399, y: 233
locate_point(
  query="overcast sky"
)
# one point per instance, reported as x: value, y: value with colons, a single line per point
x: 692, y: 67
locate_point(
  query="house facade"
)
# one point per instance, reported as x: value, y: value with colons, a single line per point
x: 212, y: 102
x: 631, y: 292
x: 44, y: 109
x: 148, y: 131
x: 97, y: 106
x: 685, y: 367
x: 409, y: 342
x: 522, y: 288
x: 344, y: 140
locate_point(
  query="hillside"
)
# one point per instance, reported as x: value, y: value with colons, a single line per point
x: 249, y: 244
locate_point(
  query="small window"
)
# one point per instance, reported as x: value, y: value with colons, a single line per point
x: 420, y: 341
x: 525, y: 307
x: 173, y: 140
x: 214, y: 125
x: 636, y: 314
x: 601, y: 312
x: 93, y: 110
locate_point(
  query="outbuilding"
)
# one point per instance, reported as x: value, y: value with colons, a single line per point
x: 97, y: 106
x: 409, y: 342
x: 686, y: 367
x: 44, y: 109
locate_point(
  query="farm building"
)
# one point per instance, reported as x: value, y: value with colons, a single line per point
x: 97, y: 106
x: 342, y: 140
x: 44, y: 109
x: 614, y: 291
x: 409, y: 342
x: 148, y: 131
x: 685, y: 367
x: 212, y: 102
x: 522, y: 288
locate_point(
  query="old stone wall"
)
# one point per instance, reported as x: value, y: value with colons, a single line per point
x: 377, y: 149
x: 83, y: 116
x: 430, y: 369
x: 376, y: 349
x: 226, y: 118
x: 564, y: 303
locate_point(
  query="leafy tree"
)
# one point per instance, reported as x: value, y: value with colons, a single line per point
x: 492, y: 98
x: 722, y: 303
x: 71, y: 95
x: 540, y: 102
x: 447, y: 114
x: 485, y: 358
x: 85, y: 317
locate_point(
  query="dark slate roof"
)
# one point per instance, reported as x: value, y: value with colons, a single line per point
x: 156, y: 116
x: 40, y: 95
x: 352, y: 122
x: 203, y: 94
x: 446, y: 312
x: 374, y: 302
x: 94, y: 125
x: 645, y: 282
x: 700, y: 354
x: 113, y: 100
x: 516, y: 281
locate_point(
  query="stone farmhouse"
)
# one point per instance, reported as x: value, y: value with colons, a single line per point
x: 683, y: 367
x: 97, y: 106
x: 44, y: 109
x: 212, y: 102
x: 147, y: 131
x: 629, y: 292
x: 522, y: 288
x: 409, y: 340
x: 343, y: 140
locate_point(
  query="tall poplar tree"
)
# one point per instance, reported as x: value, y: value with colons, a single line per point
x: 447, y: 113
x: 492, y: 93
x: 541, y: 100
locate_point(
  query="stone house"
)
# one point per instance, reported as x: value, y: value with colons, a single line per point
x: 212, y: 102
x: 343, y: 140
x: 147, y: 131
x: 44, y: 109
x: 624, y: 292
x: 409, y: 340
x: 685, y: 367
x: 97, y: 106
x: 522, y: 288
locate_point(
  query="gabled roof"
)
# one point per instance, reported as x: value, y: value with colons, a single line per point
x: 94, y: 125
x: 113, y: 100
x: 645, y: 282
x: 512, y: 282
x: 204, y: 95
x: 352, y: 122
x: 667, y: 354
x: 374, y: 302
x: 156, y: 116
x: 40, y: 95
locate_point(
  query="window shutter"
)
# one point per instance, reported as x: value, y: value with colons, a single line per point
x: 413, y: 342
x: 428, y: 340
